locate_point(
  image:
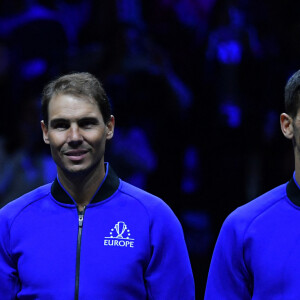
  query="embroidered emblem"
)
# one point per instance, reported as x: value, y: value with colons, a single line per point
x: 119, y: 236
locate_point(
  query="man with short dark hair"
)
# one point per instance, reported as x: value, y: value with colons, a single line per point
x: 257, y: 252
x: 89, y: 235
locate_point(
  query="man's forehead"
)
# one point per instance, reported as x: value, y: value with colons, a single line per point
x: 80, y: 97
x: 68, y: 106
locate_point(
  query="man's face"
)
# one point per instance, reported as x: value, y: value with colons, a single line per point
x: 76, y: 133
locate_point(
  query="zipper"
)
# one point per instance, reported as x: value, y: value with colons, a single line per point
x: 80, y: 225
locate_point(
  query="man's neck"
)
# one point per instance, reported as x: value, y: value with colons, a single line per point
x: 297, y: 166
x: 82, y: 187
x: 297, y: 177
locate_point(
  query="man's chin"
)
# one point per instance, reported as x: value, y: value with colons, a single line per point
x: 83, y: 169
x: 79, y: 170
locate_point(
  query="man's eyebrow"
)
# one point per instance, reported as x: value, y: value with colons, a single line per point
x: 88, y: 119
x: 53, y: 122
x: 58, y: 120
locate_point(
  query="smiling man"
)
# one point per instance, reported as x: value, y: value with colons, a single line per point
x: 77, y: 133
x: 88, y: 234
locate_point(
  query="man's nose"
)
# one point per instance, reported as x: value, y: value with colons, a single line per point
x: 74, y: 134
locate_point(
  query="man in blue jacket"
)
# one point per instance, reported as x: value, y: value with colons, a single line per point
x: 257, y: 252
x: 89, y: 235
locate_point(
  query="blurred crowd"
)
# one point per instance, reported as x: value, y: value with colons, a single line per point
x: 196, y: 87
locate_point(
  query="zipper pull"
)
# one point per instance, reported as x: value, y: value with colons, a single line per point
x: 80, y: 220
x: 80, y: 217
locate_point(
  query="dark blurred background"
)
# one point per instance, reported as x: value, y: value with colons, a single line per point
x: 196, y: 86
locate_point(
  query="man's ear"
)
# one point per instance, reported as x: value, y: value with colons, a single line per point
x: 45, y: 132
x: 110, y: 127
x: 286, y: 123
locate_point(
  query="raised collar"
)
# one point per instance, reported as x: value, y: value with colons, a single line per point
x: 108, y: 187
x: 293, y: 191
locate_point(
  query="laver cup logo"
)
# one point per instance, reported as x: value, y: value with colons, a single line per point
x: 120, y: 236
x: 120, y: 228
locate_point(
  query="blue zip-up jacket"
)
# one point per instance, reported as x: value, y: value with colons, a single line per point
x: 257, y: 254
x: 127, y: 244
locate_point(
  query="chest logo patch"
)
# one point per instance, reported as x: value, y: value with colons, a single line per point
x: 119, y: 236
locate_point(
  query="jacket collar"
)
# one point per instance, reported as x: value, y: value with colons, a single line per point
x: 107, y: 188
x: 293, y: 191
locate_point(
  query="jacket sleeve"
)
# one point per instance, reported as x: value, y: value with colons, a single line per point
x: 9, y: 281
x: 228, y: 277
x: 169, y: 274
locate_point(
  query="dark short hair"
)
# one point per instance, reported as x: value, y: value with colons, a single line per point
x: 76, y: 84
x: 292, y: 94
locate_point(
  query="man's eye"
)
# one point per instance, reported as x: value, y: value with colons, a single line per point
x: 87, y: 124
x: 61, y: 126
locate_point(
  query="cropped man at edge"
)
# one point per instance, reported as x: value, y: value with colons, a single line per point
x: 89, y: 235
x: 257, y: 252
